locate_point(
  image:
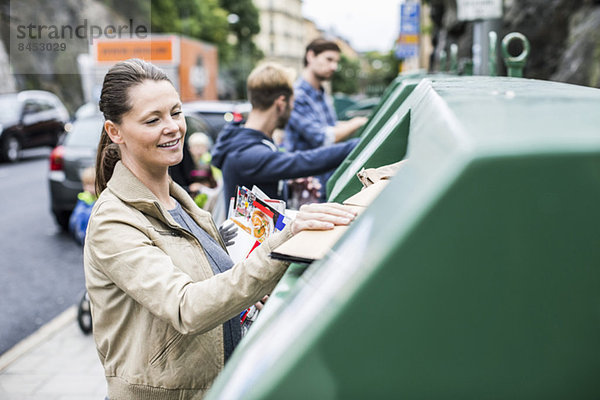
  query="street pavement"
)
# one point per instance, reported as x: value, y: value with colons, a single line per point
x: 57, y: 362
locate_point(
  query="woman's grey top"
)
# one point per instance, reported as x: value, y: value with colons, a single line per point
x: 220, y: 262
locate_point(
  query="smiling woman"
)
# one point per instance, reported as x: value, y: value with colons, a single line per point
x: 150, y: 135
x: 165, y: 295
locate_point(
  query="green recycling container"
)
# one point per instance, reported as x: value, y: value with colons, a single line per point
x: 376, y: 123
x: 392, y: 98
x: 474, y: 274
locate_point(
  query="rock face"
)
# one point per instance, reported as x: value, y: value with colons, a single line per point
x: 580, y: 61
x: 564, y: 36
x: 55, y: 68
x: 7, y: 82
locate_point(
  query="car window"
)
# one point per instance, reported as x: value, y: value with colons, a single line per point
x: 46, y: 105
x: 56, y: 104
x: 32, y: 107
x: 85, y: 133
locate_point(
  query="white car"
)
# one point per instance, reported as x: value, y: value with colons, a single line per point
x: 31, y: 118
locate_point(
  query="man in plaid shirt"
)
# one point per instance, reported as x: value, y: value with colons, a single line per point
x: 313, y: 122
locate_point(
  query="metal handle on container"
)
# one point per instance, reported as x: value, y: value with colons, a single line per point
x: 515, y: 64
x: 492, y: 60
x: 443, y: 61
x: 454, y: 58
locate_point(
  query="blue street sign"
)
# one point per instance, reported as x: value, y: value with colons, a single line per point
x: 403, y: 51
x: 410, y: 20
x: 410, y: 27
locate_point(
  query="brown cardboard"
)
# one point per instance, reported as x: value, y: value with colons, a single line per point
x: 371, y: 175
x: 308, y: 246
x: 367, y: 194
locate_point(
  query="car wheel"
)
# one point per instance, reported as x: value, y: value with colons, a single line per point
x: 62, y: 219
x: 84, y: 314
x: 11, y: 149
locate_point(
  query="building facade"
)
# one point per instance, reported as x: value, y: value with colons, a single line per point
x: 285, y: 32
x: 282, y: 36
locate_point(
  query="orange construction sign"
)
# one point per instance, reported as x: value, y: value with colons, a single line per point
x: 155, y: 50
x: 192, y: 65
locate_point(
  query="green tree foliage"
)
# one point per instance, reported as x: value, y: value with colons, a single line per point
x: 380, y: 70
x: 138, y: 10
x: 199, y: 19
x: 345, y: 80
x: 247, y: 24
x: 206, y: 20
x: 243, y: 54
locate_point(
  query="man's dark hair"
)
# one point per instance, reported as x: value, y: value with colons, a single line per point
x: 320, y: 45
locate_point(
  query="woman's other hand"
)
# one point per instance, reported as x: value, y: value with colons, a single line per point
x: 228, y: 232
x: 322, y: 216
x: 260, y: 304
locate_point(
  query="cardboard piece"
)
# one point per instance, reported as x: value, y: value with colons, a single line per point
x: 370, y: 176
x: 309, y: 246
x: 367, y: 194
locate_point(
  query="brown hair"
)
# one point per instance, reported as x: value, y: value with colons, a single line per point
x: 266, y: 83
x: 320, y: 45
x: 114, y: 103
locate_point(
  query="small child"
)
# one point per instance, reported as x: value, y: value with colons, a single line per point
x: 204, y: 173
x: 205, y: 186
x: 81, y: 213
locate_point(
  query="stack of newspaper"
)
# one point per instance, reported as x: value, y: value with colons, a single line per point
x: 257, y: 217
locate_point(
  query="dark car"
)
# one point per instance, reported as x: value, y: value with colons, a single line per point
x: 76, y: 152
x: 32, y: 118
x: 217, y: 113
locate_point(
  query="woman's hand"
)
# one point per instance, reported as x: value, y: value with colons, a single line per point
x: 260, y: 304
x: 228, y: 233
x: 322, y: 216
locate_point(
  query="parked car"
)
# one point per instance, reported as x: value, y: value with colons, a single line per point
x: 217, y: 113
x: 87, y: 110
x: 76, y: 152
x: 31, y: 118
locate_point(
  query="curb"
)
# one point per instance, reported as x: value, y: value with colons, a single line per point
x: 39, y: 336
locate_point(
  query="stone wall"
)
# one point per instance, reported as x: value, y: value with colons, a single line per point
x: 564, y: 36
x: 7, y: 81
x: 55, y: 71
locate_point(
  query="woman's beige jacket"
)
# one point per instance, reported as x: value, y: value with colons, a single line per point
x: 157, y: 307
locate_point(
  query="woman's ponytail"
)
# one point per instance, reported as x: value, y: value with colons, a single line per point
x: 106, y: 158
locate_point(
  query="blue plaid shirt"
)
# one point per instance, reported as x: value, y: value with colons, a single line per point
x: 311, y: 120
